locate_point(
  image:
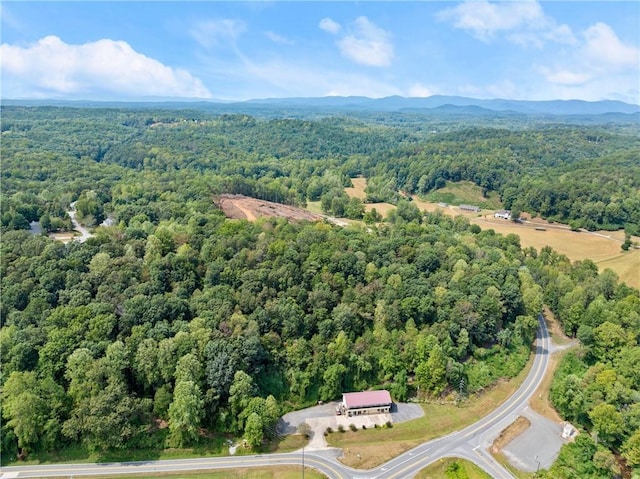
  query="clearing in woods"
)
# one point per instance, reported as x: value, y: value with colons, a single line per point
x: 601, y: 247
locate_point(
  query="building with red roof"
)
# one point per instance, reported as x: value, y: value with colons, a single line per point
x: 366, y: 402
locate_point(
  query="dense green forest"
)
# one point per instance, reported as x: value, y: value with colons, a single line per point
x: 176, y: 314
x: 588, y: 176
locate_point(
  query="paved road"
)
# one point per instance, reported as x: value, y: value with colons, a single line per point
x: 470, y: 443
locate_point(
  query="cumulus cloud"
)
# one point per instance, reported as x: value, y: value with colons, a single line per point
x: 328, y: 25
x: 600, y: 66
x: 603, y: 46
x: 212, y: 33
x: 601, y: 54
x: 524, y: 22
x: 106, y: 67
x: 420, y: 90
x: 565, y: 77
x: 367, y: 44
x: 275, y: 38
x: 484, y: 19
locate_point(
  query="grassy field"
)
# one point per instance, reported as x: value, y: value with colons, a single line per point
x: 372, y: 447
x: 603, y: 250
x: 601, y: 247
x: 438, y: 470
x: 357, y: 191
x: 464, y: 192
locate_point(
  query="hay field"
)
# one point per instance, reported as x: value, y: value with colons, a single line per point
x: 357, y: 191
x: 601, y: 247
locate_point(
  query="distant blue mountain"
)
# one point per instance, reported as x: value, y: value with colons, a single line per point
x: 398, y: 103
x: 448, y: 105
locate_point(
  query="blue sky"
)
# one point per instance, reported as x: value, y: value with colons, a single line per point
x: 242, y: 50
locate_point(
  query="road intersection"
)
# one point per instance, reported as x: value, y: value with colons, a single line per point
x: 471, y: 443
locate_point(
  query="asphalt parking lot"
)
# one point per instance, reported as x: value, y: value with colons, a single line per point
x: 538, y: 446
x: 323, y: 416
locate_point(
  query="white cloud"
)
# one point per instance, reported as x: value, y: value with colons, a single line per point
x: 604, y: 47
x: 328, y: 25
x: 524, y: 21
x: 484, y: 19
x: 565, y: 77
x: 367, y: 44
x: 601, y: 66
x: 275, y: 38
x: 212, y: 33
x: 280, y: 78
x: 106, y: 67
x: 420, y: 90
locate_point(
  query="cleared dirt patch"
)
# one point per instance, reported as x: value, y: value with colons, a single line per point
x: 246, y: 208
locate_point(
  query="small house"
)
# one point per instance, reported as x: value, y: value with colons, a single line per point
x: 503, y: 214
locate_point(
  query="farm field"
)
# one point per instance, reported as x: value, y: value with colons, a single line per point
x: 601, y: 247
x: 605, y: 252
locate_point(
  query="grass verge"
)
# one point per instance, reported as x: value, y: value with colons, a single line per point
x: 208, y: 447
x: 276, y: 472
x: 455, y: 467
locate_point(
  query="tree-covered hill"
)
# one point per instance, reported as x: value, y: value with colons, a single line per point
x: 176, y: 315
x: 586, y: 175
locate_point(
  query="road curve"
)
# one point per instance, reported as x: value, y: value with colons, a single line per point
x: 470, y: 443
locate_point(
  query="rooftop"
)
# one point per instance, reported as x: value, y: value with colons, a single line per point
x: 366, y: 399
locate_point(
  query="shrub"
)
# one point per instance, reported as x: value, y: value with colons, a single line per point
x: 389, y: 424
x: 364, y: 427
x: 341, y: 428
x: 353, y: 427
x: 329, y: 430
x: 376, y: 425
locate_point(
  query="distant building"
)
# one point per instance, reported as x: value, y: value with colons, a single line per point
x: 473, y: 208
x: 503, y: 214
x: 366, y: 402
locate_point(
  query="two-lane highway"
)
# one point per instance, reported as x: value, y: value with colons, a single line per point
x: 470, y: 443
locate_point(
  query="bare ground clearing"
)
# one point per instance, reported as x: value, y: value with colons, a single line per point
x: 244, y: 207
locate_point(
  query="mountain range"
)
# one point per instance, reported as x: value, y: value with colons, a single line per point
x: 433, y: 104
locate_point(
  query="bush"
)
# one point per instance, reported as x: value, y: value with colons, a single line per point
x: 376, y: 425
x: 353, y: 427
x: 329, y: 430
x: 341, y: 428
x: 389, y: 424
x: 364, y: 427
